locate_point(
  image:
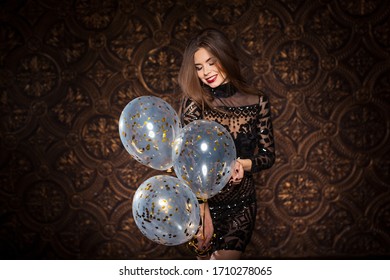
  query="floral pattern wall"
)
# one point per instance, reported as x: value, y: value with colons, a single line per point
x: 68, y: 68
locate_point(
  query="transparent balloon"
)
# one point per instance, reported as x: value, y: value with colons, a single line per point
x: 204, y: 155
x: 147, y: 127
x: 166, y: 210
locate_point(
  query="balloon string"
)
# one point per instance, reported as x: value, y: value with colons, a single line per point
x: 204, y: 218
x: 204, y: 223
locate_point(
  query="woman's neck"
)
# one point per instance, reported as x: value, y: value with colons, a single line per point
x: 222, y: 91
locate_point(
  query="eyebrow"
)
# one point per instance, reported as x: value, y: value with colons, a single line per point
x: 210, y: 58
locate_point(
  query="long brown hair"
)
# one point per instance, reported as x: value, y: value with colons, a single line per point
x: 217, y: 44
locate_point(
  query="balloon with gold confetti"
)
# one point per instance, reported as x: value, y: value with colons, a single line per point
x: 166, y: 210
x: 204, y: 155
x: 148, y: 126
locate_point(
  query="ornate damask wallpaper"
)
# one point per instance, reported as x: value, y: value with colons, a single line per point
x: 68, y: 68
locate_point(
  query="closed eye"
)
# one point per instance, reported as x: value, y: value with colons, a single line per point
x: 211, y: 61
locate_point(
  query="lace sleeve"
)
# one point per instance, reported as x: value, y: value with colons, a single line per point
x: 265, y: 157
x: 189, y: 111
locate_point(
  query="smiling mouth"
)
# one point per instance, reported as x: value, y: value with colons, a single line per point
x: 211, y: 79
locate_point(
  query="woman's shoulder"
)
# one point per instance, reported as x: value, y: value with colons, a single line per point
x: 187, y: 101
x: 251, y: 99
x: 263, y: 97
x: 188, y: 104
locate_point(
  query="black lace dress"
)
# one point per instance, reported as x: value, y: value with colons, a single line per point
x: 247, y: 118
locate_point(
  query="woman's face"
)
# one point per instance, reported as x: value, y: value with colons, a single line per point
x: 206, y: 67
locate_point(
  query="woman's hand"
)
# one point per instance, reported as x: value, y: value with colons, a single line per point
x: 237, y: 173
x: 206, y: 230
x: 240, y: 166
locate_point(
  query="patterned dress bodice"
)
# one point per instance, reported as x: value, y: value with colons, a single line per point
x: 247, y: 118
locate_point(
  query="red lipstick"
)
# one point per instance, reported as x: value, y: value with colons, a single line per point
x: 211, y: 79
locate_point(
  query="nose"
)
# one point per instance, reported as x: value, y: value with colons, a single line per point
x: 206, y: 71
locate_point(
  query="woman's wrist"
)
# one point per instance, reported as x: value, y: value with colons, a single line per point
x: 246, y: 164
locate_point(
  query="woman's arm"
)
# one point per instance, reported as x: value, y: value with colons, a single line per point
x: 206, y: 229
x: 189, y: 111
x: 265, y: 157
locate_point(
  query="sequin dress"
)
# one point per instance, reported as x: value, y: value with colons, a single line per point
x: 247, y: 118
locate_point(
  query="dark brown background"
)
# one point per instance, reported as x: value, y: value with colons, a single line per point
x: 68, y: 68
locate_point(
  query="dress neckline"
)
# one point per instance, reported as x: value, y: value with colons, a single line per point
x: 222, y: 91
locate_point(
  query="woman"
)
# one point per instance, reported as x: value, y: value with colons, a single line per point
x: 214, y: 89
